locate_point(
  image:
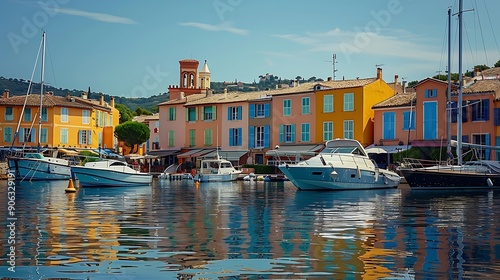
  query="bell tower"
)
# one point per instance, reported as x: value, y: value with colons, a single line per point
x: 205, y: 76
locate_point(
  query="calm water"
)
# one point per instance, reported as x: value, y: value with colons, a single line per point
x: 246, y: 230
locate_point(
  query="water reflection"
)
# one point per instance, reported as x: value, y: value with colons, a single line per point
x: 253, y: 230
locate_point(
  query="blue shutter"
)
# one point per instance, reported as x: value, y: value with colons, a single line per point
x: 240, y: 136
x: 267, y: 110
x: 464, y: 111
x: 412, y: 121
x: 497, y: 143
x: 406, y: 120
x: 229, y: 113
x: 474, y: 110
x: 266, y: 136
x: 496, y: 116
x: 426, y: 94
x: 487, y: 151
x: 231, y: 135
x: 238, y: 109
x: 293, y: 133
x: 252, y: 111
x: 465, y: 138
x: 21, y: 135
x: 282, y: 134
x: 454, y: 112
x: 486, y: 109
x: 251, y: 137
x: 33, y: 135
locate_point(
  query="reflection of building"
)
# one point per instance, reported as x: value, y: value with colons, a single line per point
x: 70, y: 121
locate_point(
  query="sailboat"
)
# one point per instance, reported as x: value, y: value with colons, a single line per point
x: 34, y: 165
x: 471, y: 175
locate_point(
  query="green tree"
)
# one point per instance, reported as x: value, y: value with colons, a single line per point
x: 125, y: 113
x: 141, y: 111
x: 132, y: 134
x: 497, y: 64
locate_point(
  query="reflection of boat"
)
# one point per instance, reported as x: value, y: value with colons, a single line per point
x: 109, y: 173
x: 216, y: 170
x: 460, y: 176
x: 35, y: 166
x: 342, y: 165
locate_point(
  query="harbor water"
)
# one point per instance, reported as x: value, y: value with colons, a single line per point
x: 246, y: 230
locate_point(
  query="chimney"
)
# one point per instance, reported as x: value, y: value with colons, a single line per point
x: 5, y: 93
x: 396, y: 79
x: 101, y: 99
x: 68, y: 96
x: 112, y: 102
x: 476, y: 72
x: 379, y: 73
x: 277, y: 87
x: 225, y: 93
x: 209, y: 92
x: 404, y: 86
x: 329, y: 79
x: 182, y: 95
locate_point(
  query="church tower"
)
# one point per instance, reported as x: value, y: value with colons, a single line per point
x: 205, y: 76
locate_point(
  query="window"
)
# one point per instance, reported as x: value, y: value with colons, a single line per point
x: 171, y: 114
x: 480, y: 110
x: 64, y: 114
x: 44, y: 135
x: 27, y: 134
x: 85, y: 137
x: 27, y: 114
x: 45, y: 115
x: 259, y: 137
x: 287, y: 107
x: 207, y: 133
x: 409, y: 120
x: 388, y: 122
x: 287, y: 133
x: 482, y: 139
x: 9, y: 116
x: 234, y: 113
x: 64, y: 136
x: 261, y: 110
x: 192, y: 114
x: 430, y: 93
x: 349, y: 129
x: 192, y: 138
x: 306, y: 105
x: 454, y: 111
x: 328, y: 103
x: 7, y: 134
x: 208, y: 113
x: 348, y: 101
x: 305, y: 134
x: 327, y: 131
x: 85, y: 117
x: 235, y: 137
x: 171, y: 138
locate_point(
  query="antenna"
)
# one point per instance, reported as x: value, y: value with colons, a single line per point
x: 378, y: 65
x: 333, y: 61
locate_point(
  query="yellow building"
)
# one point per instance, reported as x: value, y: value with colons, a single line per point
x: 69, y: 121
x: 344, y: 108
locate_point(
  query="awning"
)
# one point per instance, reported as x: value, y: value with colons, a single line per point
x: 373, y: 149
x: 228, y: 155
x: 67, y: 152
x: 195, y: 153
x: 134, y: 156
x: 163, y: 153
x: 202, y: 152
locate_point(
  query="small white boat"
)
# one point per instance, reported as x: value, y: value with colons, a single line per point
x: 109, y: 173
x: 342, y: 165
x: 36, y: 167
x: 173, y: 173
x: 216, y: 170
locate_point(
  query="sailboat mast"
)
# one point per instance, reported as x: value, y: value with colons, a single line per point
x: 448, y: 95
x: 459, y: 113
x: 41, y: 93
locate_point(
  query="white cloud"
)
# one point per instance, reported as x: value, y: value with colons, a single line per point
x: 225, y: 26
x: 94, y: 16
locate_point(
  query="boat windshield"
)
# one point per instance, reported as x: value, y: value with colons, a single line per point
x: 34, y: 155
x: 342, y: 150
x: 226, y: 165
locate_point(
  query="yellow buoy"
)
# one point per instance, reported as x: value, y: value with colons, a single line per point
x: 71, y: 187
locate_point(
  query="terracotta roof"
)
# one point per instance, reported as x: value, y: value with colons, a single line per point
x: 397, y: 100
x: 188, y: 98
x: 491, y: 72
x: 483, y: 86
x: 430, y: 79
x: 47, y: 101
x: 325, y: 85
x: 146, y: 118
x: 230, y: 97
x: 190, y: 60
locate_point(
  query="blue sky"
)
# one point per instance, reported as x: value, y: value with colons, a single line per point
x: 132, y: 48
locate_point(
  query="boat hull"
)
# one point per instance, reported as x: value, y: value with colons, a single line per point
x: 216, y: 177
x: 90, y: 177
x: 446, y: 179
x: 38, y: 170
x: 327, y: 178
